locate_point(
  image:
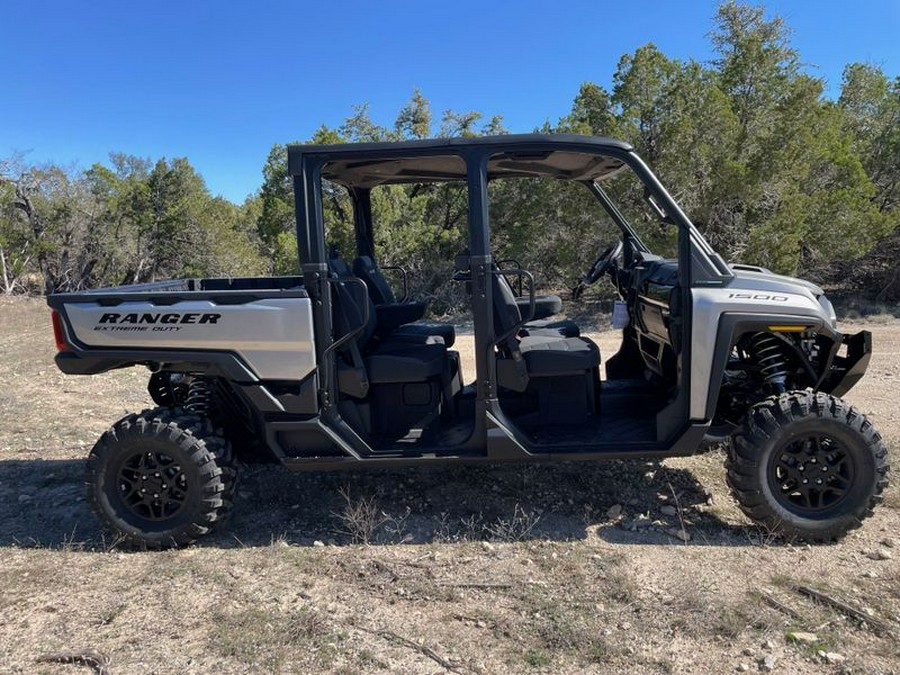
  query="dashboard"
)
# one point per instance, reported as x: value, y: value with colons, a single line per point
x: 649, y: 286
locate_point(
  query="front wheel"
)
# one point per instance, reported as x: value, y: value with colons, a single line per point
x: 807, y: 466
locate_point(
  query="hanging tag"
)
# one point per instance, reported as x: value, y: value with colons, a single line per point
x: 620, y: 314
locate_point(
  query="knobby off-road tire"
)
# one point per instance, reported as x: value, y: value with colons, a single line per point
x: 807, y: 466
x: 161, y: 478
x: 214, y: 437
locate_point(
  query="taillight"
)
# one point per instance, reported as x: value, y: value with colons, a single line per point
x: 59, y: 332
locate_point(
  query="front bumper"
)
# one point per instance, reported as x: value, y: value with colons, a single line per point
x: 847, y: 370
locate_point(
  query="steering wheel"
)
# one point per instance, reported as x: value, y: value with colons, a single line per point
x: 603, y: 263
x: 599, y: 268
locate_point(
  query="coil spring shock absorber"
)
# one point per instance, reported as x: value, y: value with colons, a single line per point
x: 199, y: 397
x: 767, y: 351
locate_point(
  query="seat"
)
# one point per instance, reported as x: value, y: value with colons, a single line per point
x: 379, y: 289
x: 542, y: 355
x: 424, y: 332
x: 397, y: 362
x: 552, y: 380
x: 554, y: 356
x: 398, y: 318
x: 389, y: 385
x: 544, y: 306
x: 384, y: 360
x: 546, y: 353
x: 543, y: 327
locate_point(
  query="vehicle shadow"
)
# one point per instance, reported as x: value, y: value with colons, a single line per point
x: 42, y: 504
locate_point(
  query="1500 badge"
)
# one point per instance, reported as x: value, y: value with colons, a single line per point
x: 156, y: 321
x: 758, y: 296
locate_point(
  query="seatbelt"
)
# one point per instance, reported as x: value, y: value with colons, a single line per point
x: 356, y: 359
x: 358, y: 363
x: 512, y: 344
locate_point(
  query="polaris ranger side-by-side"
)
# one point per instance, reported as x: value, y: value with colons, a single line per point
x: 328, y: 370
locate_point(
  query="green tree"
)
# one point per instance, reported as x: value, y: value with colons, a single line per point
x: 641, y: 91
x: 591, y: 113
x: 414, y: 120
x: 359, y: 128
x: 870, y: 102
x: 756, y: 62
x: 228, y: 243
x: 51, y: 224
x: 276, y: 195
x: 460, y: 124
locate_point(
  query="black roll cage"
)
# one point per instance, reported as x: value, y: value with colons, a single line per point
x: 306, y: 164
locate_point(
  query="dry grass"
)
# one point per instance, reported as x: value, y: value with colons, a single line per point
x: 502, y: 569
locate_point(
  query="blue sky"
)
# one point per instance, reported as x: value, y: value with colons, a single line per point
x: 221, y: 82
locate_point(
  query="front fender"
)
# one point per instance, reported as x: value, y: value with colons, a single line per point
x: 731, y: 327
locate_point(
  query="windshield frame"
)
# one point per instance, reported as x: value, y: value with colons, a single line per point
x: 618, y: 218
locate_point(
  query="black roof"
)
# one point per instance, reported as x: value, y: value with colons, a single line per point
x: 566, y: 156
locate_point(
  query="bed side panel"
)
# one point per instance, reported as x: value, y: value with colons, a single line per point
x: 273, y: 336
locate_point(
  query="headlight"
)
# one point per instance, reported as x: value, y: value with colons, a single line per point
x: 829, y: 310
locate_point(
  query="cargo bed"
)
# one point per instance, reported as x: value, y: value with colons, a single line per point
x: 257, y: 327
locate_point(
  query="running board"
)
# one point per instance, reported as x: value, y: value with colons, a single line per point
x: 503, y: 445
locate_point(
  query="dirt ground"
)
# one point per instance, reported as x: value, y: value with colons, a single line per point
x: 544, y: 569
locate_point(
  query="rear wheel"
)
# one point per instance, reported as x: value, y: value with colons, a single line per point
x: 807, y: 465
x: 161, y: 478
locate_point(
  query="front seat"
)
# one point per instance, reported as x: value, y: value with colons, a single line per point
x: 562, y: 372
x: 544, y: 306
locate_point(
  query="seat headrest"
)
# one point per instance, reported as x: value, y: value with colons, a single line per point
x: 379, y: 289
x: 339, y: 267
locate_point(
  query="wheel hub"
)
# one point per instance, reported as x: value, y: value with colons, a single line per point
x: 811, y: 474
x: 152, y: 485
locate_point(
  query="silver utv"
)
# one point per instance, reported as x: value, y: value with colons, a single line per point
x: 335, y: 369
